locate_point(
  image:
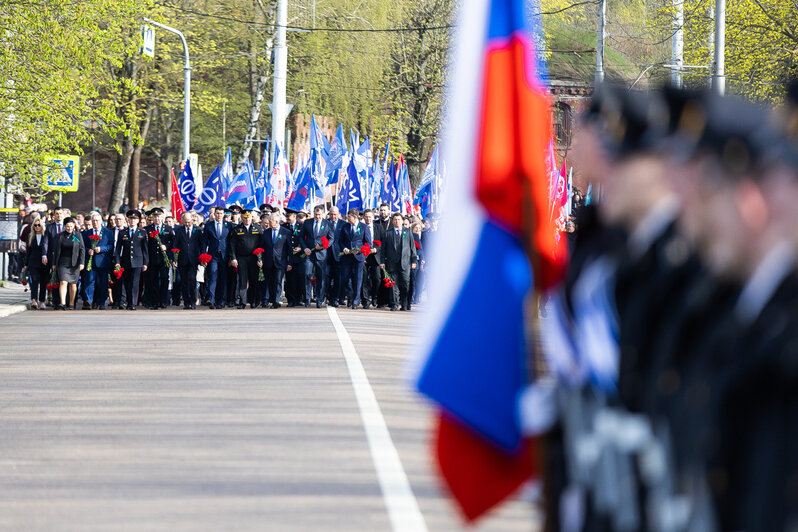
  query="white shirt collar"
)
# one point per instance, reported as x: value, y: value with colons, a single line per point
x: 653, y: 224
x: 762, y: 285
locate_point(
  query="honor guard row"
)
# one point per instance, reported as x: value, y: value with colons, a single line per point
x: 673, y: 340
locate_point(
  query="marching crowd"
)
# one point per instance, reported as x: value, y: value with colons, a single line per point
x: 674, y: 337
x: 261, y: 257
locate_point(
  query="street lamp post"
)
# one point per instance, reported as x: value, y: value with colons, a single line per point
x: 187, y: 87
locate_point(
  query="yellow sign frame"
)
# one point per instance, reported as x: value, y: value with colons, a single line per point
x: 52, y: 177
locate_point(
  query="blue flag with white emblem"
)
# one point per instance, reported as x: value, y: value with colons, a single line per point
x: 242, y: 188
x: 351, y: 196
x: 299, y: 196
x: 335, y: 157
x: 187, y: 188
x: 213, y: 193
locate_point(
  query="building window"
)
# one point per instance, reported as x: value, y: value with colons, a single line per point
x: 563, y: 117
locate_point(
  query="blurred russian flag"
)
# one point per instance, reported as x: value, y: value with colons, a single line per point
x: 495, y: 245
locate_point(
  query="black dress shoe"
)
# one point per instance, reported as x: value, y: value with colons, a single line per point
x: 366, y: 306
x: 186, y: 307
x: 402, y: 308
x: 275, y: 305
x: 150, y: 307
x: 242, y: 306
x: 219, y: 307
x: 101, y: 307
x: 394, y: 308
x: 307, y: 305
x: 334, y: 305
x: 132, y: 308
x: 380, y: 306
x: 320, y: 305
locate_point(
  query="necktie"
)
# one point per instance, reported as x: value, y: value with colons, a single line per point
x: 131, y: 232
x: 397, y: 232
x: 274, y: 236
x: 317, y: 228
x: 218, y: 229
x: 59, y: 227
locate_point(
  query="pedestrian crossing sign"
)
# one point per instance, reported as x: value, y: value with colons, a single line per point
x: 62, y: 173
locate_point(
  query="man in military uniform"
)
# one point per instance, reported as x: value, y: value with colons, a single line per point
x: 294, y: 286
x: 244, y: 239
x: 157, y: 285
x: 132, y: 254
x: 232, y: 273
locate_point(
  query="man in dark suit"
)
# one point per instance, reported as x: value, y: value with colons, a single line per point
x: 50, y: 232
x: 311, y: 238
x: 101, y: 252
x: 234, y: 213
x: 217, y: 231
x: 371, y: 268
x: 157, y: 283
x: 398, y: 256
x: 353, y: 236
x: 244, y: 239
x: 189, y: 240
x: 334, y: 269
x: 294, y: 289
x: 276, y: 242
x: 133, y: 255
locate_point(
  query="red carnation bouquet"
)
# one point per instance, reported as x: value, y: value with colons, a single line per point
x: 118, y: 271
x: 365, y: 249
x: 387, y: 281
x: 53, y: 284
x: 175, y: 254
x: 156, y: 236
x: 95, y: 242
x: 325, y: 242
x: 258, y: 252
x: 205, y: 258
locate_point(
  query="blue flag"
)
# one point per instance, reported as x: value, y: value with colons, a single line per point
x: 242, y: 188
x: 262, y: 185
x: 227, y: 170
x: 213, y: 193
x: 335, y: 157
x: 187, y: 188
x: 351, y: 196
x: 299, y: 196
x: 318, y: 142
x: 388, y: 188
x: 251, y: 201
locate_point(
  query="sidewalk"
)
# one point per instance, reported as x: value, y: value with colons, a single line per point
x: 13, y: 299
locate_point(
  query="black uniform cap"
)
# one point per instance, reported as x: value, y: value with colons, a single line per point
x: 156, y: 210
x: 633, y: 123
x: 235, y: 208
x: 133, y: 213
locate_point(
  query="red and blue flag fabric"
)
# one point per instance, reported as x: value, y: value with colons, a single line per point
x: 475, y: 337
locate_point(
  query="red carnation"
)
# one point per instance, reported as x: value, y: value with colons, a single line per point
x: 175, y: 250
x: 258, y: 251
x: 365, y: 249
x: 204, y: 258
x: 378, y: 243
x: 418, y: 246
x: 153, y: 233
x: 325, y: 242
x: 95, y: 237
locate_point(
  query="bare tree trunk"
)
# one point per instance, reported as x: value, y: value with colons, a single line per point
x: 263, y: 13
x: 120, y: 176
x: 135, y: 167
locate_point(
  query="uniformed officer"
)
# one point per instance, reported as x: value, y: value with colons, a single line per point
x: 243, y: 241
x: 132, y: 254
x: 232, y: 272
x: 294, y: 278
x: 157, y: 277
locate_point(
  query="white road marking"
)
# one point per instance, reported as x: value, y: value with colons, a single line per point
x: 403, y: 510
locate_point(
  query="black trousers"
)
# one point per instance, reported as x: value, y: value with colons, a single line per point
x: 334, y: 270
x: 371, y: 282
x: 131, y: 278
x: 294, y: 291
x: 188, y: 283
x: 401, y: 290
x: 317, y: 267
x: 248, y: 279
x: 37, y: 277
x: 157, y: 285
x: 231, y: 289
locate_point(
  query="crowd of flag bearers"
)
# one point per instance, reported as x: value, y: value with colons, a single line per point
x: 673, y: 340
x: 238, y: 257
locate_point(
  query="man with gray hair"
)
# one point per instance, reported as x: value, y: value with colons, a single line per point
x: 276, y: 242
x: 99, y: 243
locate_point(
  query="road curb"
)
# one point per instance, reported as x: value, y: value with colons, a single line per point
x: 8, y: 310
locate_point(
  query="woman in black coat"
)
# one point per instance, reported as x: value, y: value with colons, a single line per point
x: 37, y: 272
x: 68, y: 261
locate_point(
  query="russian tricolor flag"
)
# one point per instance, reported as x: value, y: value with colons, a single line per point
x: 496, y: 244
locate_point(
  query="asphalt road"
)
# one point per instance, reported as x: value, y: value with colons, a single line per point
x: 210, y: 420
